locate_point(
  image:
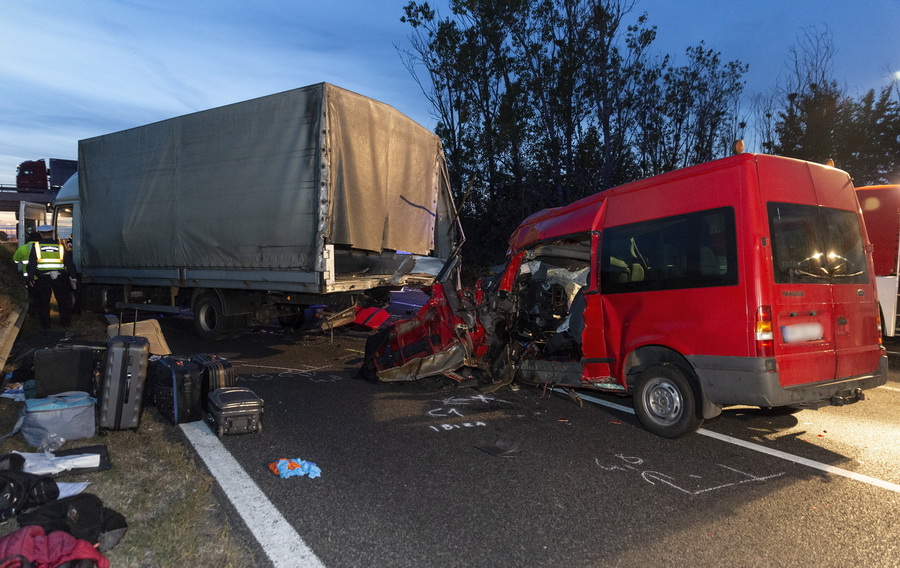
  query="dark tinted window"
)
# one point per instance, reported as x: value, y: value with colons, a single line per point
x: 685, y: 251
x: 816, y: 245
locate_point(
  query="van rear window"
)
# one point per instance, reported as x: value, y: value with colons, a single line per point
x: 816, y: 245
x: 695, y: 250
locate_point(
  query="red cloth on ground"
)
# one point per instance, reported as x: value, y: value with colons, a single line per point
x: 46, y: 550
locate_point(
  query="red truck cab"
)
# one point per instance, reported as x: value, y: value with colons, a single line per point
x: 31, y: 175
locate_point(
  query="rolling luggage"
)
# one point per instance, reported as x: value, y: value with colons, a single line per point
x: 234, y: 410
x: 124, y: 378
x: 177, y: 384
x: 215, y: 373
x: 63, y: 369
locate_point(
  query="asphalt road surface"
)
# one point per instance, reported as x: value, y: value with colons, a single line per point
x: 421, y: 476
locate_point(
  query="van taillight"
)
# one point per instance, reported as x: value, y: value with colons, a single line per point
x: 880, y: 327
x: 765, y: 344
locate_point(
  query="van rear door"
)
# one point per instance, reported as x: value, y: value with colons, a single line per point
x: 856, y: 335
x: 823, y: 305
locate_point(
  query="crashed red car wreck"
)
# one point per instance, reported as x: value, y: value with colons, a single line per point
x: 741, y: 281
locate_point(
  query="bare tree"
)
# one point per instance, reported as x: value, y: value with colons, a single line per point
x: 545, y: 101
x: 818, y: 120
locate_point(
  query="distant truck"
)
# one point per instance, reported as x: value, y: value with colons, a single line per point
x: 36, y: 175
x: 881, y: 209
x: 258, y: 209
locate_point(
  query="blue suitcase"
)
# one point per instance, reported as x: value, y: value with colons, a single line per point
x: 177, y: 385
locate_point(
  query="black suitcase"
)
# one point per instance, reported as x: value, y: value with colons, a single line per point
x: 177, y: 383
x: 215, y: 372
x: 63, y: 369
x: 234, y: 410
x: 122, y: 386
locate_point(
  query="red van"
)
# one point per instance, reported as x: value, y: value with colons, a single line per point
x: 881, y: 210
x: 742, y: 281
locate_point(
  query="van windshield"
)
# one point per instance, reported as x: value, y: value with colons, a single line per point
x: 816, y: 245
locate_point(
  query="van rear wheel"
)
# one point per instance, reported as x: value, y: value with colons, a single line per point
x: 664, y: 401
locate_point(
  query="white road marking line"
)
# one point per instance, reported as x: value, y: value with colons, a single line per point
x: 285, y: 369
x: 601, y: 402
x: 889, y: 388
x: 762, y: 449
x: 275, y: 535
x: 802, y: 461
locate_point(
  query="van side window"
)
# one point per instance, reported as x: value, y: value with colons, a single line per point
x: 816, y: 245
x: 695, y: 250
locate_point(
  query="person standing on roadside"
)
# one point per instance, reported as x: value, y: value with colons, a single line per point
x: 48, y: 273
x: 20, y: 257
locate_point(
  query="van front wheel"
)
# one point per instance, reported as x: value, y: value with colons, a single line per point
x: 664, y: 401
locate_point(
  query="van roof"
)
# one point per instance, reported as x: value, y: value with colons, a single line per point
x: 890, y: 186
x: 585, y: 214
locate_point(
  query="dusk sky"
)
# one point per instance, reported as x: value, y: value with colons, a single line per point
x: 73, y: 70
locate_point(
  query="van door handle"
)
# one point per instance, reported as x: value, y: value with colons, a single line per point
x: 842, y: 321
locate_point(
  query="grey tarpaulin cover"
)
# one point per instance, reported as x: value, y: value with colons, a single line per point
x: 264, y: 184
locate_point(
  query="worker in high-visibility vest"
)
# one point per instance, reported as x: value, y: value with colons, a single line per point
x: 20, y: 257
x: 48, y: 271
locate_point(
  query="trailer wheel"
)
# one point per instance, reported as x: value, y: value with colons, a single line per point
x: 664, y: 401
x: 209, y: 320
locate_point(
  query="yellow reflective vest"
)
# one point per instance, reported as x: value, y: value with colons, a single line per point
x: 20, y: 257
x: 49, y: 256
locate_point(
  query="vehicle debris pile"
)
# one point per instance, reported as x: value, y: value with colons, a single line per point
x: 525, y: 324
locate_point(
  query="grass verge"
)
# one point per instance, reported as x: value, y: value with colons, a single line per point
x: 167, y: 497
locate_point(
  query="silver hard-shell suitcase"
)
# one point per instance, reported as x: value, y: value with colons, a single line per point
x: 234, y: 410
x: 122, y: 383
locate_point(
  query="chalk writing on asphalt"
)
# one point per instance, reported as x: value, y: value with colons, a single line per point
x: 634, y: 464
x: 311, y: 374
x: 449, y: 409
x: 446, y: 427
x: 471, y: 400
x: 449, y: 412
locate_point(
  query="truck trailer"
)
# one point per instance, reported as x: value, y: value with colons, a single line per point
x: 258, y: 209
